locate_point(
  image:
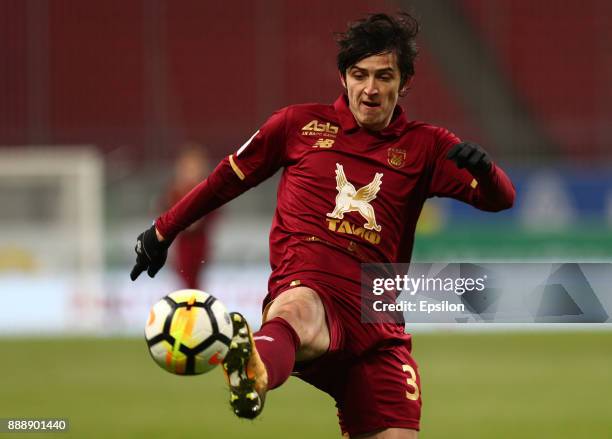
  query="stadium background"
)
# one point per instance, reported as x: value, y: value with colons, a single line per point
x: 113, y: 89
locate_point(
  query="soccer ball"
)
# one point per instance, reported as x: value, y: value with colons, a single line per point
x: 188, y: 332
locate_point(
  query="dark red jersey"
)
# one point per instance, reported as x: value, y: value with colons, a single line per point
x: 346, y: 195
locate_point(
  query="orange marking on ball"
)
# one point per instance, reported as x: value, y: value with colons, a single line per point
x: 215, y: 359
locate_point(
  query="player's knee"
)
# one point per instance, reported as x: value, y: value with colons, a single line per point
x: 299, y: 318
x: 303, y: 310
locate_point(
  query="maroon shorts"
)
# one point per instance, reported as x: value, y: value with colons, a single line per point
x: 368, y: 370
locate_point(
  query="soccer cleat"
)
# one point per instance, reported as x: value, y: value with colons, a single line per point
x: 245, y: 371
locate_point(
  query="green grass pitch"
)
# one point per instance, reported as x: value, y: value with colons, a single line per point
x: 498, y: 385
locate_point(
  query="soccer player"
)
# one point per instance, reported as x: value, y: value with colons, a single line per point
x: 192, y: 245
x: 355, y: 176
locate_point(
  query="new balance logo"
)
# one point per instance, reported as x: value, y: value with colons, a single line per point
x: 324, y: 143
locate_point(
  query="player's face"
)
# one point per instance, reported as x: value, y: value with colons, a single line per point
x: 373, y: 87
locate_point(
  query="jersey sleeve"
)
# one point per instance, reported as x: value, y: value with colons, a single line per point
x: 264, y: 153
x: 256, y: 160
x: 491, y: 192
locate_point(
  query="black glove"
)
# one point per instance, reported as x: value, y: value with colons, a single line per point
x: 471, y: 157
x: 151, y: 254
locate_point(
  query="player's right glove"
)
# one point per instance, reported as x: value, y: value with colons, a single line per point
x: 151, y: 254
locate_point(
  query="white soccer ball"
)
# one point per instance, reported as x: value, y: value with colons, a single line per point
x: 188, y: 332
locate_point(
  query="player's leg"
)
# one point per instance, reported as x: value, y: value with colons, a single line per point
x: 303, y: 310
x: 189, y: 254
x: 295, y: 328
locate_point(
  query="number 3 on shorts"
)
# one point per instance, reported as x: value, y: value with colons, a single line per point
x: 412, y: 384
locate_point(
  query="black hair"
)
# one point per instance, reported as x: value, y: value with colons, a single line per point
x: 377, y: 34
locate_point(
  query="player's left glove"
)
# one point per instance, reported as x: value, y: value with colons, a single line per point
x: 471, y: 157
x: 151, y: 254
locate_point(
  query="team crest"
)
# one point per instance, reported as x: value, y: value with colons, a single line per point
x: 351, y: 200
x: 396, y: 157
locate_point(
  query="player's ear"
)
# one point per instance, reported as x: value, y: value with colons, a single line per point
x: 342, y: 79
x: 404, y: 88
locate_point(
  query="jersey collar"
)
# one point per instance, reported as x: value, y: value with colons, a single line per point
x: 349, y: 124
